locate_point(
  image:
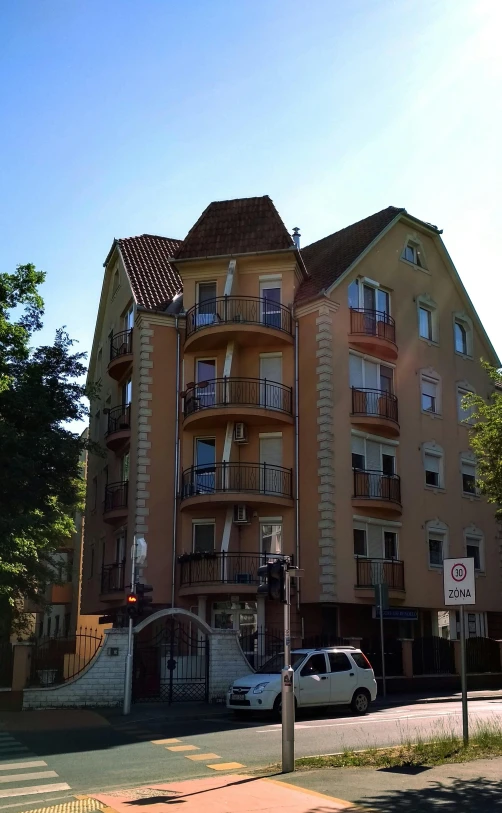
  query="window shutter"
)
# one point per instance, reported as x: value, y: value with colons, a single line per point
x: 357, y: 445
x: 429, y: 388
x: 432, y: 463
x: 355, y: 370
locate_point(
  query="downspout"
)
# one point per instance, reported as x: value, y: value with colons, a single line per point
x: 176, y: 459
x: 297, y: 469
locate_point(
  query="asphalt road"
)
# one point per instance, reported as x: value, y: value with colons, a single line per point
x: 113, y: 753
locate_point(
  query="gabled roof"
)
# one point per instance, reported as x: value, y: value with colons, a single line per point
x: 153, y: 279
x: 232, y: 227
x: 328, y: 258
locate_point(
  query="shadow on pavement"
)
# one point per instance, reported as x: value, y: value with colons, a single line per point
x: 473, y: 796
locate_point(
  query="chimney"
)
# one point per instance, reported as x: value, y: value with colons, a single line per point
x: 296, y: 237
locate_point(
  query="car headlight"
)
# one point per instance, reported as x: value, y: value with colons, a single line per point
x: 260, y: 687
x: 230, y: 688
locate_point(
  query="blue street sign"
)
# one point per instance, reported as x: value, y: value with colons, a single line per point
x: 396, y: 614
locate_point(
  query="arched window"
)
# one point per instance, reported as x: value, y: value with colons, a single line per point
x: 460, y: 339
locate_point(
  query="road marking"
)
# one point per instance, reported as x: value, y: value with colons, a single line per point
x: 39, y: 763
x: 4, y: 794
x: 15, y: 777
x: 200, y: 757
x: 182, y: 748
x: 164, y: 742
x: 367, y: 721
x: 226, y: 766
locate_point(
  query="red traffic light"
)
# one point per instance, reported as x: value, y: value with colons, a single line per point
x: 132, y: 598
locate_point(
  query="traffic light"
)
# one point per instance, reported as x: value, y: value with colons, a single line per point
x: 143, y: 599
x: 274, y: 580
x: 132, y: 605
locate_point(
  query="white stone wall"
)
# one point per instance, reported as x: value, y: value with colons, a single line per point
x: 226, y: 662
x: 100, y: 684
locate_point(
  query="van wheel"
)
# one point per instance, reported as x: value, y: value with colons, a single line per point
x: 360, y: 701
x: 278, y: 707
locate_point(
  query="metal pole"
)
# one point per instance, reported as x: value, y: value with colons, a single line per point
x: 126, y: 709
x: 287, y: 686
x: 382, y: 645
x: 463, y: 675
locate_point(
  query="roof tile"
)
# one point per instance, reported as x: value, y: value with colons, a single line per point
x: 153, y: 279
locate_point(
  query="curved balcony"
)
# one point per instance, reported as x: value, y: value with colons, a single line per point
x: 376, y: 491
x: 370, y: 572
x: 119, y: 426
x: 113, y: 578
x: 375, y: 410
x: 120, y: 354
x: 253, y: 400
x: 250, y: 320
x: 115, y: 504
x: 373, y: 332
x: 237, y: 482
x: 221, y: 572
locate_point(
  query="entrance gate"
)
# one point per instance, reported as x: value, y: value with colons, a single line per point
x: 171, y: 662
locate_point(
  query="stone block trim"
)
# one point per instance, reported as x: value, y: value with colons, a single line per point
x: 326, y: 522
x: 227, y: 662
x: 146, y: 332
x: 101, y: 683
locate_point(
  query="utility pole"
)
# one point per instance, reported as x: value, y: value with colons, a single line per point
x: 382, y: 640
x: 463, y: 677
x: 128, y: 670
x: 287, y: 684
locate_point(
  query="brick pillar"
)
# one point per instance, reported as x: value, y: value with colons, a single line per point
x: 21, y: 665
x: 407, y: 657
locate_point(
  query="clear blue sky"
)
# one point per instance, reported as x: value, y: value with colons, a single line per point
x: 127, y: 116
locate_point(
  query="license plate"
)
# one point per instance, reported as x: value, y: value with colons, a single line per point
x: 238, y: 698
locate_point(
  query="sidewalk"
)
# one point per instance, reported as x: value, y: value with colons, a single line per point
x: 455, y: 697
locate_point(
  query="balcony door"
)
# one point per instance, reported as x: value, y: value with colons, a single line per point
x: 270, y: 458
x: 271, y: 375
x: 129, y: 318
x: 205, y: 374
x: 205, y: 462
x: 270, y: 294
x: 206, y: 300
x: 376, y: 299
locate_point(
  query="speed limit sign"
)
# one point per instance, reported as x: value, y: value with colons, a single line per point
x: 459, y: 581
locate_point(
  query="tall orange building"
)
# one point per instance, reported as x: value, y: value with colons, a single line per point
x: 258, y: 397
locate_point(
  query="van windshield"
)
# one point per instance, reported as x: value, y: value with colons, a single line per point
x: 275, y: 665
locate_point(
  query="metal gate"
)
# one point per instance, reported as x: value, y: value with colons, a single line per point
x: 171, y: 663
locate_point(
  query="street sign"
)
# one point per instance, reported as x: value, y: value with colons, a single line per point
x: 459, y: 581
x: 396, y: 614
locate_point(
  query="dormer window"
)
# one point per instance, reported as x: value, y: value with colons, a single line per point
x: 412, y: 254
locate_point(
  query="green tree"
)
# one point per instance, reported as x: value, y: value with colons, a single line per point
x: 486, y: 438
x: 41, y: 485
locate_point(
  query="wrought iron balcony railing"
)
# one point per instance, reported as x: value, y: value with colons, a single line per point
x: 372, y: 323
x: 119, y: 419
x: 250, y: 478
x: 241, y: 392
x: 380, y: 571
x: 220, y: 567
x: 113, y: 577
x: 248, y: 310
x: 121, y: 344
x: 374, y: 403
x: 376, y: 485
x: 116, y: 496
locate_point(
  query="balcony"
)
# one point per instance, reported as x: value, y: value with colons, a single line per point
x: 253, y: 400
x: 237, y: 482
x: 375, y: 410
x: 249, y: 320
x: 376, y: 491
x: 373, y: 332
x: 119, y: 427
x: 120, y: 354
x: 220, y: 571
x: 113, y: 578
x: 115, y: 504
x: 370, y: 572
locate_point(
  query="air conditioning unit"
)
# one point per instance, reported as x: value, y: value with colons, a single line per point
x: 241, y: 514
x: 240, y: 433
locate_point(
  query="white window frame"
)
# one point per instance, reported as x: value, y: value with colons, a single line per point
x: 463, y: 388
x: 477, y: 535
x: 360, y: 526
x: 427, y: 303
x: 385, y: 527
x: 468, y: 459
x: 431, y: 449
x: 205, y: 282
x: 466, y: 322
x: 430, y: 376
x: 379, y: 364
x: 375, y: 439
x: 371, y: 283
x: 419, y: 258
x: 271, y: 521
x: 436, y: 528
x: 196, y: 522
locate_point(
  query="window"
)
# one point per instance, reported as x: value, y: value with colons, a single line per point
x: 468, y: 477
x: 390, y: 544
x: 129, y: 318
x: 425, y: 323
x: 203, y: 536
x: 271, y: 537
x: 433, y: 466
x: 339, y: 662
x: 359, y: 542
x: 437, y: 542
x: 316, y: 665
x: 124, y: 465
x: 206, y: 300
x: 120, y: 547
x: 473, y: 550
x: 412, y: 253
x: 429, y: 394
x: 435, y: 550
x: 367, y: 295
x: 463, y: 334
x: 388, y: 461
x: 368, y: 374
x: 127, y: 392
x: 270, y: 295
x: 361, y: 660
x: 460, y: 339
x: 464, y: 413
x: 56, y: 625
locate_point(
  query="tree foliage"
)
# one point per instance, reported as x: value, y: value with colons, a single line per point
x: 486, y: 438
x: 41, y: 483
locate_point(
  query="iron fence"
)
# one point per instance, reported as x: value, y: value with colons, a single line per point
x: 375, y: 485
x: 374, y: 403
x: 57, y: 659
x: 258, y: 393
x: 251, y: 478
x: 433, y: 655
x: 121, y: 344
x: 261, y: 645
x: 250, y: 310
x: 380, y: 571
x: 372, y: 323
x: 482, y: 655
x: 6, y: 664
x: 393, y: 651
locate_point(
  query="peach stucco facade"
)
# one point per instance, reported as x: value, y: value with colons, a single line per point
x: 217, y: 464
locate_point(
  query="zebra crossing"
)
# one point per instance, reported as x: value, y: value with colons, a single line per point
x: 22, y: 774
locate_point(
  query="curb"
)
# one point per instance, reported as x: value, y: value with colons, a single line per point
x: 429, y: 700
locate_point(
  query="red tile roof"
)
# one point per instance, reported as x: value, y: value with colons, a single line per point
x: 153, y: 279
x: 328, y: 258
x: 232, y: 227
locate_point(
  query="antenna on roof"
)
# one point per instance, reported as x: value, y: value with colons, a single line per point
x: 296, y: 237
